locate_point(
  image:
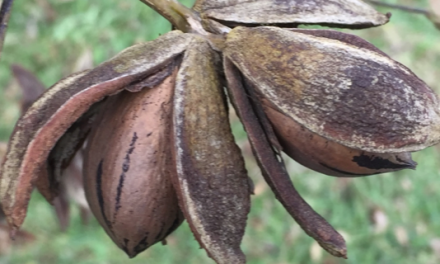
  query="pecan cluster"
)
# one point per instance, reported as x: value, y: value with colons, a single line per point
x: 159, y: 143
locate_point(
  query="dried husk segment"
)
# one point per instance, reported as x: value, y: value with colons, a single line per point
x: 63, y: 152
x: 128, y: 167
x: 211, y: 182
x: 70, y: 184
x: 59, y: 107
x: 339, y: 88
x: 339, y: 13
x: 323, y: 155
x: 273, y: 169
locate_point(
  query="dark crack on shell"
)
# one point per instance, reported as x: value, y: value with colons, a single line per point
x: 99, y: 172
x: 125, y: 168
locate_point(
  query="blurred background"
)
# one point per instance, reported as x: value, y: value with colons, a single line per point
x: 389, y: 218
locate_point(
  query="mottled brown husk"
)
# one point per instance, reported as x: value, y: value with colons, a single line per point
x: 63, y: 152
x: 339, y: 13
x: 127, y: 168
x: 71, y: 183
x: 338, y: 87
x: 212, y: 183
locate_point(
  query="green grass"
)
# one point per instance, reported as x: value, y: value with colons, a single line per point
x: 49, y: 36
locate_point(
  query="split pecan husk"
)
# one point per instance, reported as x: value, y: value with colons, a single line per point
x: 160, y: 143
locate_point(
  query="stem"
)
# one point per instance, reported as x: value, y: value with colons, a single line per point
x: 174, y: 12
x: 5, y: 13
x: 409, y: 9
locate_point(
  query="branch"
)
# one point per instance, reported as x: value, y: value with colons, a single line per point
x: 409, y: 9
x: 5, y: 13
x: 176, y: 13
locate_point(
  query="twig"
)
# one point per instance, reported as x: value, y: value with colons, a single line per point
x: 401, y: 7
x: 5, y: 13
x: 176, y: 13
